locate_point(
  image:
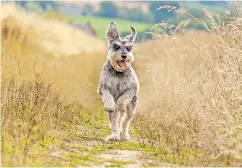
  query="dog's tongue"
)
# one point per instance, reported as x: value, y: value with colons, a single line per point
x: 122, y: 63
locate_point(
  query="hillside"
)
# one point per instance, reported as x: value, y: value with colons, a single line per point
x: 100, y: 24
x: 96, y: 4
x: 55, y: 38
x: 140, y: 14
x: 144, y: 6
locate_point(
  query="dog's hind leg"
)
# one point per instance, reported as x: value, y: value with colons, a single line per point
x: 113, y: 121
x: 126, y: 119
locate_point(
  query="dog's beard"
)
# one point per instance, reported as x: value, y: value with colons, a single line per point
x: 119, y: 64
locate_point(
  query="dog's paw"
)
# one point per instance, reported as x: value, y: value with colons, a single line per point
x: 113, y: 137
x: 124, y: 136
x: 109, y: 107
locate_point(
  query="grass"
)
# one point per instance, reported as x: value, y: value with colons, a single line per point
x: 118, y: 163
x: 136, y: 146
x: 32, y: 114
x: 196, y: 10
x: 189, y: 95
x: 88, y: 160
x: 100, y: 24
x: 82, y: 157
x: 189, y: 111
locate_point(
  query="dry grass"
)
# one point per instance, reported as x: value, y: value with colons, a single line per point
x: 33, y: 117
x: 191, y: 105
x: 63, y: 66
x: 54, y: 37
x: 191, y: 86
x: 34, y: 114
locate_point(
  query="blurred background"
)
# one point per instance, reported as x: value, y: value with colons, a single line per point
x: 93, y: 17
x: 188, y: 61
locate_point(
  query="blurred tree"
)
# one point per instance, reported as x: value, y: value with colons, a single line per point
x: 208, y: 2
x: 54, y: 5
x: 135, y: 14
x: 33, y: 6
x: 30, y: 5
x: 21, y: 3
x: 108, y: 9
x: 123, y: 13
x: 89, y: 9
x: 215, y: 3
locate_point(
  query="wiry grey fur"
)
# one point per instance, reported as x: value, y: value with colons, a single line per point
x: 119, y: 87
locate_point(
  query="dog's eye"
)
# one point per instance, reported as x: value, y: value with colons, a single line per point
x: 116, y: 47
x: 129, y: 48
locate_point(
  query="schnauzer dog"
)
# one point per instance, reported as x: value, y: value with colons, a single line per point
x: 119, y: 85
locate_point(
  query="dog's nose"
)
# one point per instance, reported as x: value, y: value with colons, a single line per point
x: 124, y: 56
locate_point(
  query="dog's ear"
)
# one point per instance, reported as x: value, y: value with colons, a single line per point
x: 112, y: 32
x: 132, y: 36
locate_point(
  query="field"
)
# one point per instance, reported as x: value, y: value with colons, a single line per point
x: 100, y: 24
x: 189, y: 112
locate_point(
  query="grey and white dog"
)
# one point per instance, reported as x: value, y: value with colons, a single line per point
x: 119, y: 85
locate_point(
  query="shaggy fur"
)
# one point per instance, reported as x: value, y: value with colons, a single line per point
x: 119, y: 86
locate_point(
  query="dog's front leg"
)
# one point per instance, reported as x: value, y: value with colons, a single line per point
x: 113, y: 121
x: 108, y: 101
x: 125, y: 104
x: 113, y: 115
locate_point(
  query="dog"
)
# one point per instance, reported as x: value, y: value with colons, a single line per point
x: 118, y: 84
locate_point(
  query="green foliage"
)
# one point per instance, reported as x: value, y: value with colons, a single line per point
x: 135, y: 14
x: 89, y: 9
x: 22, y: 3
x: 108, y: 9
x: 100, y: 24
x: 45, y: 4
x: 39, y: 5
x: 214, y: 3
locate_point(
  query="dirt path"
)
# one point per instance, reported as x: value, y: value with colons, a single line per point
x: 98, y: 153
x: 84, y: 146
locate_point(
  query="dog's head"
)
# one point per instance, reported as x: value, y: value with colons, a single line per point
x: 120, y: 49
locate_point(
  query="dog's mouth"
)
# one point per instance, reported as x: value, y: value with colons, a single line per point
x: 122, y: 63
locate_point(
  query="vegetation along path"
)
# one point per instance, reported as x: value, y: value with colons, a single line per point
x: 87, y: 147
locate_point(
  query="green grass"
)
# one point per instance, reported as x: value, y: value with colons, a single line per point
x: 77, y: 158
x: 100, y: 24
x: 118, y: 163
x: 90, y: 160
x: 126, y: 145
